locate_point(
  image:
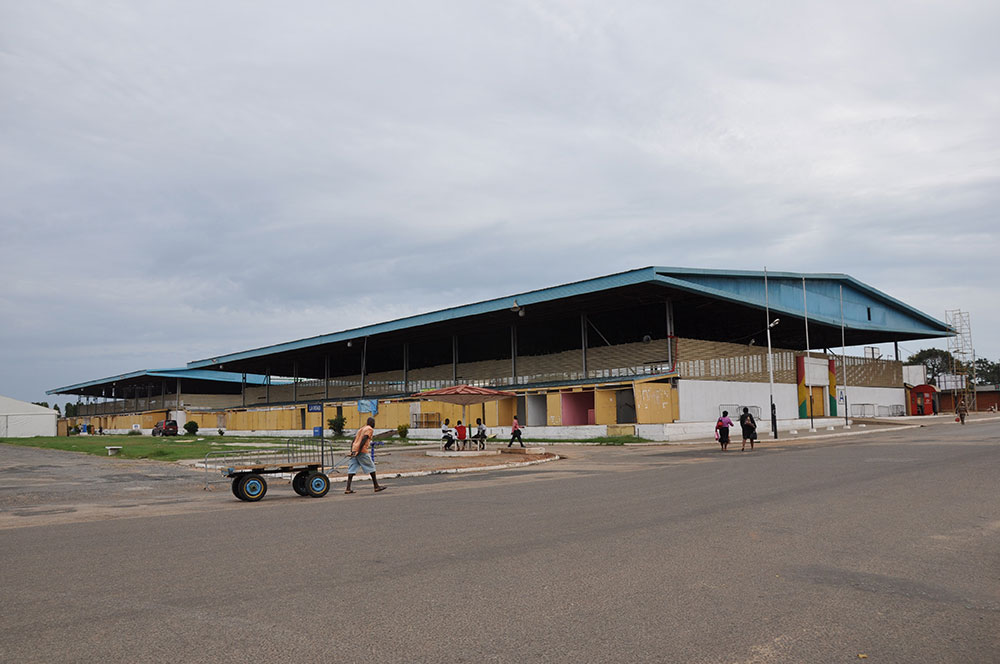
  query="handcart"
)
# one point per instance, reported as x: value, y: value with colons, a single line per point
x: 306, y: 460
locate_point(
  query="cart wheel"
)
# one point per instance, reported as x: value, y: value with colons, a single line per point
x: 253, y: 487
x: 317, y: 484
x: 299, y: 482
x: 236, y: 486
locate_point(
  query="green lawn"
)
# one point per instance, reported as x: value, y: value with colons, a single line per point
x: 145, y: 447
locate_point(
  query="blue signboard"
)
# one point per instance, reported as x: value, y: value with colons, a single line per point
x: 314, y: 408
x: 317, y: 432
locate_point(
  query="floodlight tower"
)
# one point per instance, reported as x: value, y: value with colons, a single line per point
x: 963, y: 358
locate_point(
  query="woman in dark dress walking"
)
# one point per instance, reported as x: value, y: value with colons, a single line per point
x: 749, y: 427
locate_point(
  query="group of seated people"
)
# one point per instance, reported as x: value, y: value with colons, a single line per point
x: 458, y: 438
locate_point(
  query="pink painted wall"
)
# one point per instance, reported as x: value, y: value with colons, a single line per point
x: 577, y: 408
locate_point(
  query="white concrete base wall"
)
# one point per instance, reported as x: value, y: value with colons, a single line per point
x: 704, y: 432
x: 503, y: 433
x: 289, y: 433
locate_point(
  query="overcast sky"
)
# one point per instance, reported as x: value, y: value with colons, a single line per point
x: 180, y: 180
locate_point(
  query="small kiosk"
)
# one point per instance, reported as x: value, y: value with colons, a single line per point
x: 923, y: 400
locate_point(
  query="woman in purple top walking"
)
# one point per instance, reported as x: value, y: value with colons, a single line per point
x: 515, y: 433
x: 722, y: 430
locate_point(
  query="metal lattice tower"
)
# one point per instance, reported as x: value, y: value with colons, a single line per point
x: 964, y: 356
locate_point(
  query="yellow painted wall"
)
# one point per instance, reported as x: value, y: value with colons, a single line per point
x: 204, y: 420
x: 654, y: 403
x: 506, y: 410
x: 122, y: 421
x: 605, y: 410
x: 553, y: 408
x: 352, y: 416
x: 500, y: 413
x: 391, y: 415
x: 491, y: 419
x: 149, y: 419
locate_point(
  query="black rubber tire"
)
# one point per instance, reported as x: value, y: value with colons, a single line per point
x: 237, y: 491
x: 299, y: 482
x: 253, y: 487
x: 317, y: 484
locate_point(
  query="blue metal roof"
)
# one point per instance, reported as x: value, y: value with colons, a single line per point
x: 740, y: 286
x: 186, y: 374
x: 489, y: 306
x: 822, y: 295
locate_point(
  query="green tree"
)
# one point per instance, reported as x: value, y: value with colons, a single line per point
x: 336, y: 425
x: 936, y: 360
x: 987, y: 373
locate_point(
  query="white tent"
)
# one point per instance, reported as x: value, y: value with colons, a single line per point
x: 19, y: 419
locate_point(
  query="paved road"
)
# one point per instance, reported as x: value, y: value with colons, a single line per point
x: 886, y: 545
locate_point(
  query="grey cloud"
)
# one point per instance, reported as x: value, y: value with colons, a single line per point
x: 265, y: 172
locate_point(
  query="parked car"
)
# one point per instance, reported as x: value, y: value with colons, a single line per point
x: 165, y: 428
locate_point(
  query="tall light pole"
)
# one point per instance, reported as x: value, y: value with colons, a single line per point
x: 843, y: 358
x: 770, y: 361
x: 805, y: 313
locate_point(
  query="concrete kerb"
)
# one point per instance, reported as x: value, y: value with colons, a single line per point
x: 879, y: 426
x: 451, y: 471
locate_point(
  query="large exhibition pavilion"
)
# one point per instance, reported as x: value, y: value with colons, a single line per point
x: 638, y: 352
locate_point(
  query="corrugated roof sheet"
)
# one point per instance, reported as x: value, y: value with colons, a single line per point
x: 186, y: 374
x: 741, y: 286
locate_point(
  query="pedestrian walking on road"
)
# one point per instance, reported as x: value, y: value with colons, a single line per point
x: 722, y: 430
x: 360, y: 456
x: 749, y: 427
x: 515, y: 433
x: 962, y: 410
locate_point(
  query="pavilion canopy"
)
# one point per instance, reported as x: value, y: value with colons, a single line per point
x: 464, y: 395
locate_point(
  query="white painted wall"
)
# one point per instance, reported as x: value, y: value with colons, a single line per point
x: 27, y: 426
x: 879, y: 396
x: 699, y: 399
x: 915, y: 374
x: 817, y: 371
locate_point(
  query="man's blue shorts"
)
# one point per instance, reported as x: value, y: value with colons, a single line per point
x: 361, y: 461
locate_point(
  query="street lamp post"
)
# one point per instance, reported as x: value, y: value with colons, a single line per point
x: 805, y: 314
x: 770, y: 360
x: 770, y: 377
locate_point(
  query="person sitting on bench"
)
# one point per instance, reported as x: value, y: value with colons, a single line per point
x: 446, y: 434
x: 460, y: 434
x: 480, y: 436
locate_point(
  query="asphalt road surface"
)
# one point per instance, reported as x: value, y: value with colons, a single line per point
x: 885, y: 546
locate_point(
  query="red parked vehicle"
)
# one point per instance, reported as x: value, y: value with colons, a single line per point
x: 165, y: 428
